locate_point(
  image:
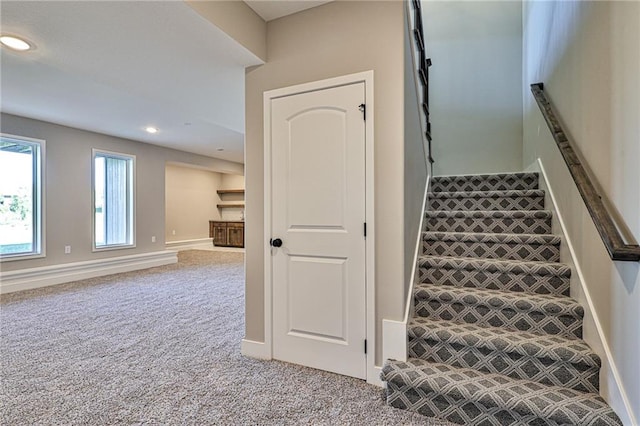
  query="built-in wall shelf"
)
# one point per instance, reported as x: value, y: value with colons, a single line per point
x: 230, y: 191
x: 231, y: 198
x: 231, y: 206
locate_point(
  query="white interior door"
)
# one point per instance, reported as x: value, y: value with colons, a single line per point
x: 318, y: 212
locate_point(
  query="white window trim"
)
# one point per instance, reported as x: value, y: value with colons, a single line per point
x: 41, y: 202
x: 131, y: 157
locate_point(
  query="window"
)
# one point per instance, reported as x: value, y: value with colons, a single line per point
x: 113, y: 200
x: 21, y: 197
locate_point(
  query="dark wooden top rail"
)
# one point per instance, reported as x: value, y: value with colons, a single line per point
x: 603, y: 221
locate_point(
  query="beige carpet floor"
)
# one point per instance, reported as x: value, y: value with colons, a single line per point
x: 162, y: 347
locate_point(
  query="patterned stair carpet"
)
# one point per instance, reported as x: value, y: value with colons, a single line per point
x: 495, y: 338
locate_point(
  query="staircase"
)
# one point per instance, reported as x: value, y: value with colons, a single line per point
x: 495, y: 338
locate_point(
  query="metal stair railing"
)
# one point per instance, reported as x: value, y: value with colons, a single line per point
x: 421, y: 72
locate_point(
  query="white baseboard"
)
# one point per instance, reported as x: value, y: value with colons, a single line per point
x: 592, y: 330
x: 254, y: 349
x: 228, y: 249
x: 374, y: 376
x: 394, y: 333
x: 199, y: 244
x: 27, y: 279
x: 195, y: 244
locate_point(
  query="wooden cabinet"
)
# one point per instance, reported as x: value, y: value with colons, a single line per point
x: 235, y: 234
x: 218, y: 231
x: 227, y: 234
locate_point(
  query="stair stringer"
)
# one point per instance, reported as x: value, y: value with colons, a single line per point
x: 394, y: 333
x: 611, y: 388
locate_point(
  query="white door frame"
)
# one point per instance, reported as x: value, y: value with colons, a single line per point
x: 367, y: 78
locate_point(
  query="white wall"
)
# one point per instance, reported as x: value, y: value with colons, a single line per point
x: 232, y: 181
x: 68, y: 189
x: 190, y: 200
x: 588, y: 56
x: 475, y: 85
x: 334, y: 39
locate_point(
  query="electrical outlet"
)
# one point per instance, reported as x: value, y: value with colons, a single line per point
x: 173, y: 232
x: 67, y: 249
x: 153, y: 239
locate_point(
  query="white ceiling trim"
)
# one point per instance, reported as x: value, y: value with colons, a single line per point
x: 270, y: 9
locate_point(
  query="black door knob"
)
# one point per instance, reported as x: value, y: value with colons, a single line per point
x: 277, y: 242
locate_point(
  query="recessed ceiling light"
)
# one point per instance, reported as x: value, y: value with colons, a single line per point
x: 151, y: 129
x: 15, y: 43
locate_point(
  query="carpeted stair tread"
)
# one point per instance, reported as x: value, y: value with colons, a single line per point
x: 495, y: 238
x: 467, y: 396
x: 549, y: 359
x: 512, y: 275
x: 494, y: 265
x: 529, y: 247
x: 495, y: 182
x: 490, y: 221
x: 531, y: 199
x: 492, y: 214
x: 495, y: 338
x: 521, y: 342
x: 535, y: 313
x: 487, y: 194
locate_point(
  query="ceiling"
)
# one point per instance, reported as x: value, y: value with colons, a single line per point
x: 117, y: 67
x: 270, y: 10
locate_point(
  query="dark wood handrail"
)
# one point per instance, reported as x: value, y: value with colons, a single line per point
x: 603, y: 221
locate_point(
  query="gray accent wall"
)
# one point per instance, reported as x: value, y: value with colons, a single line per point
x: 68, y: 189
x: 587, y: 54
x: 475, y: 85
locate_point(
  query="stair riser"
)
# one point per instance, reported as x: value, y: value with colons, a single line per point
x: 505, y: 251
x: 490, y: 225
x: 512, y: 182
x: 487, y: 203
x: 527, y: 283
x: 580, y: 377
x: 461, y: 412
x: 533, y: 321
